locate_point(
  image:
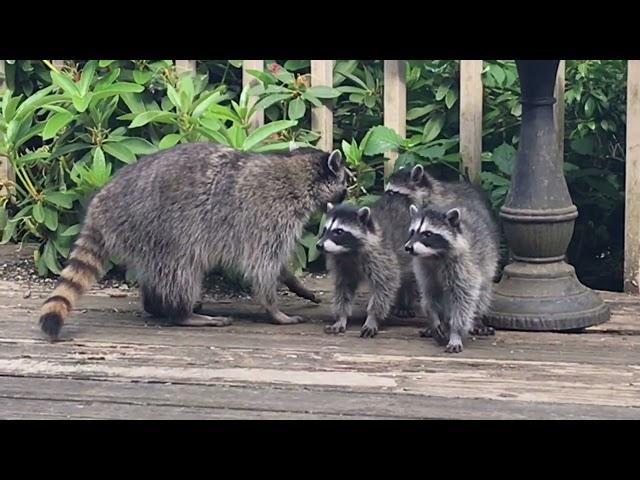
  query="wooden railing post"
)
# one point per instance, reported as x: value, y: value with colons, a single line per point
x: 6, y: 172
x: 247, y: 79
x: 184, y: 66
x: 322, y: 117
x: 632, y: 182
x: 471, y: 118
x: 395, y: 105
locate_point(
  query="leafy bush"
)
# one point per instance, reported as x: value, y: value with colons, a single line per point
x: 66, y: 132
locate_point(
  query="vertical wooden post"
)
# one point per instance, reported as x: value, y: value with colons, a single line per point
x: 247, y: 79
x: 322, y: 117
x: 395, y: 105
x: 183, y: 66
x: 471, y: 118
x: 558, y: 108
x: 6, y: 172
x: 2, y: 76
x: 632, y: 184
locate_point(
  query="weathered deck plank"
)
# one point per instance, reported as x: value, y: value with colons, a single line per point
x: 113, y: 366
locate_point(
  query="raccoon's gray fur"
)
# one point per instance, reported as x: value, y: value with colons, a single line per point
x: 455, y: 259
x: 420, y: 188
x: 358, y: 251
x: 178, y: 213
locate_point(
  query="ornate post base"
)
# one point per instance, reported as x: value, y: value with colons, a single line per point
x: 544, y: 297
x: 539, y: 290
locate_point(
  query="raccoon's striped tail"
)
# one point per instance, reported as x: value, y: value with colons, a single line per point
x: 83, y: 269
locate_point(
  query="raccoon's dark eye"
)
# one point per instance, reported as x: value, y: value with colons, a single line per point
x: 338, y: 231
x: 427, y: 234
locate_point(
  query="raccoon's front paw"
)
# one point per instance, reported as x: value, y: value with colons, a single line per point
x: 369, y: 329
x: 338, y: 327
x: 439, y: 335
x: 453, y: 347
x: 425, y: 333
x: 482, y: 331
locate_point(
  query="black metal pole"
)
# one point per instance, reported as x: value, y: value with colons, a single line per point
x: 539, y: 290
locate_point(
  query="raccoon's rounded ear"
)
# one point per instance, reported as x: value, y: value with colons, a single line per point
x: 413, y: 210
x: 453, y: 217
x: 330, y: 206
x: 417, y: 173
x: 364, y: 214
x: 335, y: 162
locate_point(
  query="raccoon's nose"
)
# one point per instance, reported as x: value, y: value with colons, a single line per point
x: 320, y: 246
x: 408, y: 247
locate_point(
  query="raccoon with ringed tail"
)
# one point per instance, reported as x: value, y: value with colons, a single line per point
x: 455, y: 259
x: 423, y: 190
x: 178, y: 213
x: 356, y: 252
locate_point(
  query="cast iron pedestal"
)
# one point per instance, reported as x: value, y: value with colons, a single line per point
x: 539, y: 290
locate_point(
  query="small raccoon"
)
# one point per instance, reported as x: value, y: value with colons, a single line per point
x: 423, y: 190
x: 455, y: 260
x: 178, y: 213
x: 356, y: 252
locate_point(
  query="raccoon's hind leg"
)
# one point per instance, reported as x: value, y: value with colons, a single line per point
x: 265, y: 292
x: 405, y: 299
x: 479, y: 329
x: 174, y: 302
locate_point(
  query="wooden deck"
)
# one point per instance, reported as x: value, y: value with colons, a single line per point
x: 114, y: 366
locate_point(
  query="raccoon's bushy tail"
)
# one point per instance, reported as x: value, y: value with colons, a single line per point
x: 83, y: 269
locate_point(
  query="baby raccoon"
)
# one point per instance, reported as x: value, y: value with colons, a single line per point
x: 357, y: 251
x: 417, y: 186
x: 455, y: 259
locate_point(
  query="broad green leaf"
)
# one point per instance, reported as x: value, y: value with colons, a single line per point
x: 169, y: 140
x: 9, y: 230
x: 310, y: 98
x: 50, y: 219
x: 38, y: 212
x: 139, y: 146
x: 297, y: 109
x: 81, y: 103
x: 266, y: 131
x: 418, y: 112
x: 141, y: 78
x: 60, y: 199
x: 504, y: 158
x: 442, y: 90
x: 271, y: 99
x: 55, y: 124
x: 72, y: 231
x: 119, y: 151
x: 381, y: 139
x: 202, y: 106
x: 64, y: 82
x: 105, y: 63
x: 153, y: 116
x: 86, y: 77
x: 433, y: 127
x: 450, y: 98
x: 50, y: 258
x: 324, y: 92
x: 211, y: 123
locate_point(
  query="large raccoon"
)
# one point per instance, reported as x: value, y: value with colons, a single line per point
x: 358, y: 251
x: 456, y: 258
x: 178, y: 213
x: 418, y: 187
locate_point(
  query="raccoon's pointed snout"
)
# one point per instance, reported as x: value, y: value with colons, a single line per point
x: 320, y: 246
x: 408, y: 247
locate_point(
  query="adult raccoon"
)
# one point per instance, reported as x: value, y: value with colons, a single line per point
x: 178, y: 213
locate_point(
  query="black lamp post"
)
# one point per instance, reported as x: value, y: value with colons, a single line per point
x: 539, y: 290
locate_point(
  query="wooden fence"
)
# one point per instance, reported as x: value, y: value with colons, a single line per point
x: 471, y: 94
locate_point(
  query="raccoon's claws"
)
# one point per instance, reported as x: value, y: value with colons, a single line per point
x: 482, y: 331
x: 338, y: 327
x: 369, y: 329
x: 439, y: 336
x: 453, y: 348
